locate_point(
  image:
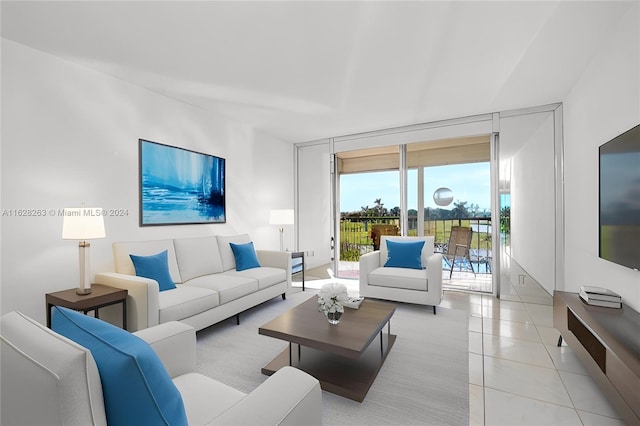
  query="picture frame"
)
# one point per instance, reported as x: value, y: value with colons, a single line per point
x: 178, y: 186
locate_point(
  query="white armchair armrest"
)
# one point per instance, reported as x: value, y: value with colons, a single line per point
x: 142, y: 301
x: 434, y: 274
x: 289, y: 397
x: 368, y: 262
x: 175, y: 343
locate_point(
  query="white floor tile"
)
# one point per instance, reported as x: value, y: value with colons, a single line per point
x: 475, y: 324
x: 590, y: 419
x: 476, y: 374
x: 502, y: 312
x: 507, y: 409
x: 475, y: 343
x: 462, y: 301
x: 586, y: 395
x: 490, y: 301
x: 476, y: 405
x: 517, y: 350
x: 515, y: 330
x: 549, y: 335
x: 542, y: 315
x: 565, y: 359
x: 526, y: 380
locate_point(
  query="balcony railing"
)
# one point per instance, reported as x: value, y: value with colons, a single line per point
x: 356, y: 238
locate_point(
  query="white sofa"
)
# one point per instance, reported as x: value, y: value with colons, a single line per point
x: 48, y: 379
x: 421, y: 286
x: 208, y: 287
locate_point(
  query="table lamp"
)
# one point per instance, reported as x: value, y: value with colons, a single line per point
x: 84, y: 223
x: 281, y: 217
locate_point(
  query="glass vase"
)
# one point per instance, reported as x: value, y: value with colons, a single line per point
x: 334, y: 317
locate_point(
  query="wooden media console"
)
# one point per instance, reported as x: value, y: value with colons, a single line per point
x: 607, y: 341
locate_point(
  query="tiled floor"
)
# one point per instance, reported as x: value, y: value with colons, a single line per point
x: 517, y: 374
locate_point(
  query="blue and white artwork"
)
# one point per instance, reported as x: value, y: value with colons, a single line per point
x: 178, y: 186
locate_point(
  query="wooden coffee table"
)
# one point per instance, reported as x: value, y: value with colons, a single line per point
x: 342, y: 357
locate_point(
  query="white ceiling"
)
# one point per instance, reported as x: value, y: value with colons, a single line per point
x: 307, y: 70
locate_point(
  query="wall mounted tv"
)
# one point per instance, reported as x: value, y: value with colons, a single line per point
x: 179, y: 186
x: 620, y: 199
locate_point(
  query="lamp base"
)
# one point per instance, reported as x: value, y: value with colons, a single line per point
x: 83, y: 291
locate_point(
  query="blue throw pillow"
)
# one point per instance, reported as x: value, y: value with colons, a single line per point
x: 404, y: 254
x: 136, y: 387
x: 245, y: 256
x: 155, y: 267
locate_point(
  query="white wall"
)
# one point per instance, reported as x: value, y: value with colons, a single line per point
x: 603, y: 103
x: 527, y: 141
x: 314, y: 201
x: 70, y: 136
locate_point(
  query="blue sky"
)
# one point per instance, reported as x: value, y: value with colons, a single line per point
x: 469, y: 182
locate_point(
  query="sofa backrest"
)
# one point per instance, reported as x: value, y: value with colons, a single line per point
x: 46, y: 378
x: 427, y: 249
x: 197, y: 257
x: 124, y: 265
x: 226, y: 254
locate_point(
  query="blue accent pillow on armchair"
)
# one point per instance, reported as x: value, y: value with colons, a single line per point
x: 404, y: 254
x: 245, y: 256
x: 155, y: 267
x: 136, y: 387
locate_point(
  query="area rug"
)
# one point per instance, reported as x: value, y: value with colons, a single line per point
x: 425, y: 379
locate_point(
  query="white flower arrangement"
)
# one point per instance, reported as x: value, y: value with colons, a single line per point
x: 331, y: 297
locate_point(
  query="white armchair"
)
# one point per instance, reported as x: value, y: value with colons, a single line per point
x: 421, y: 286
x: 49, y: 379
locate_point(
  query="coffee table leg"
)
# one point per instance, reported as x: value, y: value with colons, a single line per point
x: 388, y: 334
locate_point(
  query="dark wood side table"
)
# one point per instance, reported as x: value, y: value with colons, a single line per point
x: 100, y: 296
x: 296, y: 255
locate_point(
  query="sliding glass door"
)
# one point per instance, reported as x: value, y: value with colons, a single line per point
x: 370, y: 186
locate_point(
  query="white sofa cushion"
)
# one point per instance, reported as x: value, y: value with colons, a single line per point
x: 412, y: 279
x: 124, y: 265
x: 427, y: 249
x: 228, y: 287
x: 197, y: 257
x: 265, y: 275
x: 205, y: 398
x: 47, y: 378
x: 226, y: 254
x: 184, y: 301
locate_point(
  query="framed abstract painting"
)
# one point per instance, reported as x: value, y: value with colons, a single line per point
x: 179, y: 186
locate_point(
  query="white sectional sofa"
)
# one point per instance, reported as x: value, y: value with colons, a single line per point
x: 48, y: 379
x: 208, y: 287
x: 421, y: 286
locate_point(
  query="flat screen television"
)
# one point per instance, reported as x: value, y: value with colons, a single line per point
x: 619, y: 198
x: 179, y: 186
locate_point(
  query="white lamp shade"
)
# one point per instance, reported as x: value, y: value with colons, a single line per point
x: 281, y: 217
x: 83, y: 223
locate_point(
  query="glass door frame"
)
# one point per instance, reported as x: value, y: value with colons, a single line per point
x: 403, y: 173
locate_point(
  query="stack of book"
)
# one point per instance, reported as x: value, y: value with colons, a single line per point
x: 599, y: 296
x: 353, y: 302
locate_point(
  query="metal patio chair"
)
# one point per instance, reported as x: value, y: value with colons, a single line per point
x: 458, y: 248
